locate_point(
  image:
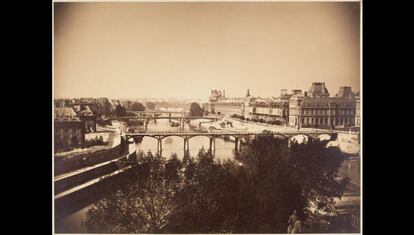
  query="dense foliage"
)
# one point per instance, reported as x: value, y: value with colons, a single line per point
x: 120, y: 111
x: 196, y: 110
x: 255, y: 193
x: 137, y: 106
x: 150, y: 105
x: 95, y: 141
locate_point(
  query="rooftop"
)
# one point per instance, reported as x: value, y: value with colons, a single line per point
x: 66, y: 114
x: 83, y: 110
x: 326, y: 101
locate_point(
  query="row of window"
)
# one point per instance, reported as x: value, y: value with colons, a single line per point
x: 324, y: 121
x: 229, y: 104
x: 268, y: 111
x: 325, y: 112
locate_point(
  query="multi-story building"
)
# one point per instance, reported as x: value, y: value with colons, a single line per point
x: 249, y: 107
x: 316, y: 109
x: 220, y: 104
x: 69, y: 130
x: 270, y: 110
x: 357, y: 111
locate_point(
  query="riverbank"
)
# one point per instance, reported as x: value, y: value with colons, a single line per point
x: 174, y: 144
x: 80, y: 158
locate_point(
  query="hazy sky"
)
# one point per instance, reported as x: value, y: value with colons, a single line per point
x: 184, y: 50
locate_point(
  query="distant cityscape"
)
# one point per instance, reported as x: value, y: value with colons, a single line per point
x: 314, y: 108
x: 91, y: 133
x: 196, y: 117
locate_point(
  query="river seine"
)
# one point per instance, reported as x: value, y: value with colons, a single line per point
x: 224, y: 150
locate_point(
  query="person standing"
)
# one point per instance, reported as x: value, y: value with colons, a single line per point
x: 291, y: 222
x: 297, y: 227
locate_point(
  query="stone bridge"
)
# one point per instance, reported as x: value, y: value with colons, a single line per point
x: 146, y: 119
x: 238, y: 136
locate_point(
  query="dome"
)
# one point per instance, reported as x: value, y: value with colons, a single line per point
x: 318, y: 89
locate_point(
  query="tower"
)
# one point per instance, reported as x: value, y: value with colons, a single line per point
x: 248, y: 93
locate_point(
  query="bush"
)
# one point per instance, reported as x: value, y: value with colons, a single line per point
x: 95, y: 141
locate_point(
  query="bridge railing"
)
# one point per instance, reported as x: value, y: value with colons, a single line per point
x: 228, y: 132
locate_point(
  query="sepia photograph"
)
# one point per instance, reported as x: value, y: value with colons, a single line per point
x: 196, y: 117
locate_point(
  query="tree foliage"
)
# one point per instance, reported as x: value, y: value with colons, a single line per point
x: 120, y: 111
x: 106, y: 108
x: 196, y: 110
x: 141, y: 202
x: 150, y: 105
x: 137, y: 106
x: 255, y: 193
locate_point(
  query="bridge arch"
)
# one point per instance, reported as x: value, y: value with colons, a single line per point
x: 201, y: 134
x: 166, y: 136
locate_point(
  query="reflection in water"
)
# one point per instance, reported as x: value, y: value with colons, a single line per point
x: 351, y: 169
x: 72, y: 222
x: 175, y: 144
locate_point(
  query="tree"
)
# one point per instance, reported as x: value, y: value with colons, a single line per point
x: 285, y: 176
x: 317, y: 168
x: 195, y: 109
x: 255, y: 193
x: 137, y: 106
x: 150, y: 105
x: 107, y: 107
x: 142, y: 201
x: 120, y: 111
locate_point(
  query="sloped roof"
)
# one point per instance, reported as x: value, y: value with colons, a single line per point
x: 66, y: 114
x: 324, y: 102
x: 271, y: 103
x: 318, y: 88
x: 83, y: 110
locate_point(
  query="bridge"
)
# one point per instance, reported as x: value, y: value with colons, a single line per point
x: 160, y: 112
x: 238, y: 136
x: 146, y: 119
x: 164, y: 117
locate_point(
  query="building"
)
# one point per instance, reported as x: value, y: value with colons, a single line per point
x: 85, y: 113
x: 61, y: 103
x: 69, y: 130
x: 318, y: 90
x: 319, y: 110
x: 222, y: 105
x: 249, y: 107
x: 357, y: 111
x: 345, y: 92
x: 274, y: 110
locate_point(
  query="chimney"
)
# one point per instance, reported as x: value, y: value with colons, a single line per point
x: 306, y: 94
x: 224, y: 93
